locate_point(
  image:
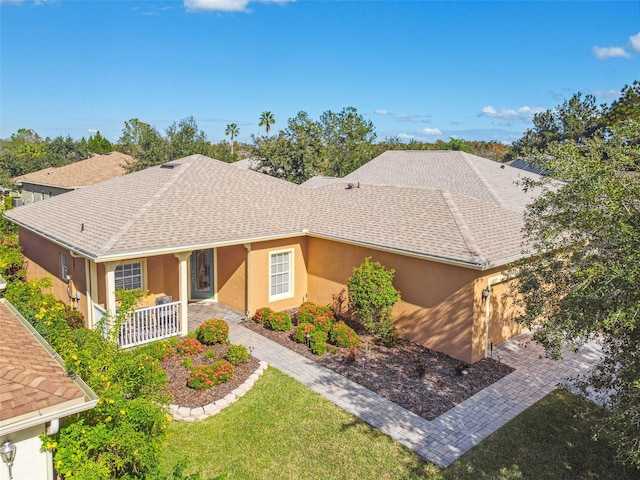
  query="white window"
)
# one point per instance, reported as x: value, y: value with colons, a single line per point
x: 281, y: 274
x: 129, y: 276
x: 64, y: 267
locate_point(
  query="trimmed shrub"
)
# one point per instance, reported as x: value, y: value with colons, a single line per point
x: 342, y: 335
x: 321, y: 317
x: 74, y: 318
x: 213, y: 331
x: 160, y: 350
x: 262, y: 315
x: 187, y: 362
x: 204, y: 377
x: 210, y: 354
x: 237, y: 354
x: 302, y: 330
x: 280, y: 321
x: 319, y: 342
x: 189, y: 346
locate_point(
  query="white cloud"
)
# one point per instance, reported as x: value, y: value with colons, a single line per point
x: 382, y: 112
x: 634, y: 41
x: 522, y: 114
x: 224, y: 5
x: 604, y: 53
x: 431, y: 131
x: 606, y: 93
x: 92, y: 130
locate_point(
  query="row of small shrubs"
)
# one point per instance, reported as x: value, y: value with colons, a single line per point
x: 316, y: 325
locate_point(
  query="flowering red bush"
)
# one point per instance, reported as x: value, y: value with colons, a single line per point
x: 204, y: 377
x: 302, y: 330
x: 342, y: 335
x: 262, y: 315
x: 189, y: 346
x: 322, y: 317
x: 213, y: 331
x: 280, y: 321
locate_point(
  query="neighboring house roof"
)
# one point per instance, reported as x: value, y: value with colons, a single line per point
x: 458, y: 172
x: 34, y: 387
x: 80, y: 174
x: 202, y: 203
x: 246, y: 163
x: 522, y: 164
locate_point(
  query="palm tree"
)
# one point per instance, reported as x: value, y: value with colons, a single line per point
x: 232, y: 130
x: 266, y: 120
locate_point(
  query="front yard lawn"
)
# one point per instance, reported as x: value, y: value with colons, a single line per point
x: 282, y: 430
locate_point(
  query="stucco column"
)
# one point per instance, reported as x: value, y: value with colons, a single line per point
x: 110, y: 281
x: 183, y: 286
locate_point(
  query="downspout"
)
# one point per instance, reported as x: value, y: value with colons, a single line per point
x: 248, y: 280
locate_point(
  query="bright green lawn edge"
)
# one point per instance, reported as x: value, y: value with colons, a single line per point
x: 282, y: 430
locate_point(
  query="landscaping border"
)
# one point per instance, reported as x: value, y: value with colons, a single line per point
x: 186, y: 414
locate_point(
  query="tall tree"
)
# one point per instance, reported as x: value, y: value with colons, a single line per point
x: 627, y: 107
x: 232, y: 130
x: 185, y: 138
x: 266, y: 120
x: 584, y: 279
x: 142, y: 142
x: 578, y: 119
x: 98, y: 144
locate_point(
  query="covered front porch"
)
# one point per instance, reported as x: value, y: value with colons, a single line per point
x: 163, y: 321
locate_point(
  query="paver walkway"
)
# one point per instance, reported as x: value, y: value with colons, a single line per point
x: 447, y: 437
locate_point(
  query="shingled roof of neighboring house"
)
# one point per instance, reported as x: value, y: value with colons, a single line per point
x: 80, y: 174
x: 34, y: 387
x: 202, y: 203
x: 458, y: 172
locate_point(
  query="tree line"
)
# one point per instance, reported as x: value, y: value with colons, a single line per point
x: 333, y: 145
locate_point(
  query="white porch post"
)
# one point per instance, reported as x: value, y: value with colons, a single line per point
x: 110, y: 303
x: 183, y: 285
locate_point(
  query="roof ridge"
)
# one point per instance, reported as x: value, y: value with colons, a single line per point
x: 489, y: 188
x: 177, y: 173
x: 463, y: 227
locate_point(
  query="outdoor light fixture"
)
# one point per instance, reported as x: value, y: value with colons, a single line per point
x: 8, y: 453
x: 485, y: 293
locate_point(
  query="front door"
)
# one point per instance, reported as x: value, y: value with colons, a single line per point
x: 202, y: 274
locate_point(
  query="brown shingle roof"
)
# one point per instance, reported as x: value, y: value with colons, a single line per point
x: 32, y: 383
x: 80, y: 174
x: 202, y: 202
x: 459, y: 172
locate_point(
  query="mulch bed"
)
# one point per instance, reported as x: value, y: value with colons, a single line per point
x: 424, y: 382
x: 178, y: 375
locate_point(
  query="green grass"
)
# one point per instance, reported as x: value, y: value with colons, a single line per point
x: 282, y: 430
x: 550, y: 440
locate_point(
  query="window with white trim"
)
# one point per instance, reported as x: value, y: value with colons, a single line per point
x: 128, y: 276
x: 280, y: 274
x: 64, y: 267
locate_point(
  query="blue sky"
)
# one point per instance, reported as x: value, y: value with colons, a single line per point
x: 417, y: 69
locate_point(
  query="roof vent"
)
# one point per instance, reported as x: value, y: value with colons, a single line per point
x: 353, y: 185
x: 169, y: 165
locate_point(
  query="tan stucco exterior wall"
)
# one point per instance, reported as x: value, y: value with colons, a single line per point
x: 259, y: 277
x: 43, y: 259
x: 441, y: 305
x: 231, y: 276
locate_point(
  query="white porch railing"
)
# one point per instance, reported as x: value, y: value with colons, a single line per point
x: 149, y: 324
x: 145, y: 325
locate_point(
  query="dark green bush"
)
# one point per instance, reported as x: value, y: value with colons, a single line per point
x: 74, y: 318
x: 319, y: 342
x: 280, y: 321
x: 213, y: 331
x: 301, y: 331
x: 237, y: 354
x: 342, y: 335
